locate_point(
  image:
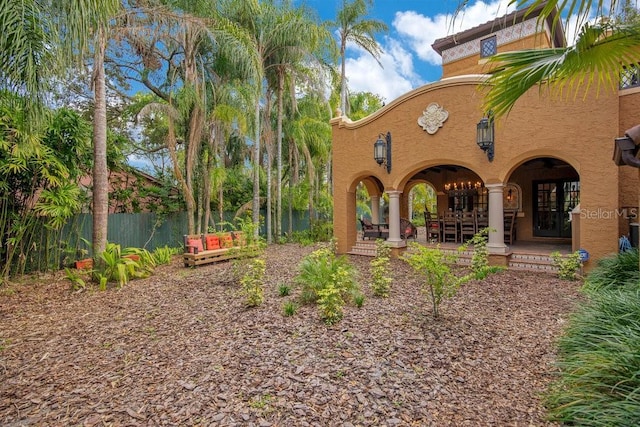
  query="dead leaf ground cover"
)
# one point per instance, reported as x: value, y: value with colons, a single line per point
x: 180, y: 349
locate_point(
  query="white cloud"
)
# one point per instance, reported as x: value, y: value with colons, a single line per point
x: 394, y: 78
x: 413, y: 35
x: 421, y: 31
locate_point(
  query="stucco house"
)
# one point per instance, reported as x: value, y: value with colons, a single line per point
x: 550, y: 158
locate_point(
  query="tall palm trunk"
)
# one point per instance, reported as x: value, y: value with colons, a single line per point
x: 100, y: 170
x: 279, y: 155
x: 255, y: 203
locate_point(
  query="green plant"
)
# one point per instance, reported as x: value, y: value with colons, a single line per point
x: 289, y: 308
x: 77, y: 282
x: 120, y: 266
x: 329, y: 281
x: 358, y: 300
x: 599, y: 361
x: 480, y: 258
x: 163, y: 255
x: 251, y: 282
x: 321, y: 268
x: 433, y: 265
x: 330, y: 303
x: 616, y: 271
x: 568, y: 266
x: 380, y: 280
x: 284, y: 289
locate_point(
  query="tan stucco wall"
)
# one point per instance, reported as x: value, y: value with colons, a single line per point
x: 629, y: 177
x: 580, y: 132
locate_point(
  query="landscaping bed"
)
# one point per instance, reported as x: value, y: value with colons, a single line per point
x: 180, y: 348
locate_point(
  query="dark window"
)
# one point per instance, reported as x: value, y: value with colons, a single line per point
x: 488, y: 47
x: 630, y: 76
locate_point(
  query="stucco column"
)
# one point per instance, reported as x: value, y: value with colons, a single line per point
x: 496, y: 219
x: 375, y: 209
x: 394, y: 239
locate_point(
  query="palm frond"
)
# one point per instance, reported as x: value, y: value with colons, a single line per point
x: 597, y: 57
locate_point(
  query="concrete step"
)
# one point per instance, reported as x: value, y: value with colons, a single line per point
x: 364, y: 248
x: 532, y: 262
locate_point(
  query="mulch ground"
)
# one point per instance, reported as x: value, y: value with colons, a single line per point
x: 181, y: 349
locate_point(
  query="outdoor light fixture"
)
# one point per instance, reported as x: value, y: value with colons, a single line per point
x: 382, y: 150
x: 485, y: 136
x: 625, y: 149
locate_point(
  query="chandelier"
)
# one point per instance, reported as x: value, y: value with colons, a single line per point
x: 459, y: 189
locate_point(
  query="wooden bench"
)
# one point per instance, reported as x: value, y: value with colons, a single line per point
x: 207, y: 248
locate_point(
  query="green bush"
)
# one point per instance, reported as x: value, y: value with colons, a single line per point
x: 163, y: 255
x: 599, y: 359
x: 380, y: 274
x: 480, y: 258
x: 568, y: 266
x: 327, y: 280
x: 252, y: 282
x: 120, y: 266
x: 433, y: 265
x: 615, y: 271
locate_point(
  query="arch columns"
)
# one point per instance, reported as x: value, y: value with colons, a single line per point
x: 496, y: 244
x: 375, y: 209
x: 394, y: 239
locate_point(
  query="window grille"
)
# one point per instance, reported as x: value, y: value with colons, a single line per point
x: 488, y: 47
x: 630, y: 76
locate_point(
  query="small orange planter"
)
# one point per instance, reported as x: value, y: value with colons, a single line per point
x: 84, y: 264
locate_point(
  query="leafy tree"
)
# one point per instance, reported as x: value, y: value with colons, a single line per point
x: 353, y: 27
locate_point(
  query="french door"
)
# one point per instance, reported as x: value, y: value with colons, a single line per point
x: 553, y: 201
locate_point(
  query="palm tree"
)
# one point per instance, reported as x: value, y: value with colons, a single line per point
x: 68, y: 30
x: 273, y: 30
x: 354, y: 28
x: 300, y: 58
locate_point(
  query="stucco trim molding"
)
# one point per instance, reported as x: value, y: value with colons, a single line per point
x: 469, y: 79
x: 433, y: 118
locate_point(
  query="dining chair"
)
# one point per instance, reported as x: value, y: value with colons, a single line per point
x: 449, y: 227
x: 468, y: 225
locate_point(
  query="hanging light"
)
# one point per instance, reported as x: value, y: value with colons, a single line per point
x: 382, y: 150
x: 485, y: 136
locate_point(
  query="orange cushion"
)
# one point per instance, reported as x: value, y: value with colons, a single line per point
x: 213, y: 242
x: 194, y: 243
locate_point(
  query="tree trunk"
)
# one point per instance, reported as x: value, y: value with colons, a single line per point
x: 255, y: 204
x: 100, y: 170
x: 279, y: 156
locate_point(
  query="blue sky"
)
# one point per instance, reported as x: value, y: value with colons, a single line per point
x: 408, y: 59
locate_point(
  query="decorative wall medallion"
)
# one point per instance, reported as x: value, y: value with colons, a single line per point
x: 433, y: 118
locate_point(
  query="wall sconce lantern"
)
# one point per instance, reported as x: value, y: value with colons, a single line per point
x: 625, y: 149
x: 382, y: 150
x: 485, y: 136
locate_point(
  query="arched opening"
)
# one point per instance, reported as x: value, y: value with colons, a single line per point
x: 545, y: 190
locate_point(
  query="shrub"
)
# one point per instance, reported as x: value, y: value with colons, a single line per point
x: 327, y: 280
x: 120, y: 266
x: 433, y: 265
x: 163, y: 255
x: 251, y: 282
x: 480, y: 259
x: 77, y: 282
x: 380, y: 280
x: 615, y: 271
x: 599, y: 359
x: 568, y: 266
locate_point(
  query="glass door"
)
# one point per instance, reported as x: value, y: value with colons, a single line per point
x: 553, y: 202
